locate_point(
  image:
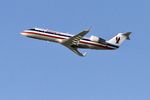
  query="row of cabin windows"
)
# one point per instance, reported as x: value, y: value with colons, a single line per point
x: 48, y: 32
x: 53, y: 33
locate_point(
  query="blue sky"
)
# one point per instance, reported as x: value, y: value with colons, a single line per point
x: 36, y: 70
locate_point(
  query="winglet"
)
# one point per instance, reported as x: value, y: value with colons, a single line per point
x: 127, y: 34
x: 88, y: 29
x: 84, y: 54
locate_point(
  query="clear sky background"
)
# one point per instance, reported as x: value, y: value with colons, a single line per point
x: 36, y: 70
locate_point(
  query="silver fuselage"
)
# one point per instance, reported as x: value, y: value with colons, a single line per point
x: 59, y: 37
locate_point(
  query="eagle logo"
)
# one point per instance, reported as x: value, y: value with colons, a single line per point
x: 117, y: 40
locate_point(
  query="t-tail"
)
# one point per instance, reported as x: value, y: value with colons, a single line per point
x: 119, y: 39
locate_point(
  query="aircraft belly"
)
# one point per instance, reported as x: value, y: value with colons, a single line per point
x: 90, y: 46
x: 83, y: 46
x: 40, y: 37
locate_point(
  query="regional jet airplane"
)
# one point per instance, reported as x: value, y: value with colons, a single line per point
x: 74, y: 42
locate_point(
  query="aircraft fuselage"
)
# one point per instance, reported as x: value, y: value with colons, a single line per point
x: 59, y: 37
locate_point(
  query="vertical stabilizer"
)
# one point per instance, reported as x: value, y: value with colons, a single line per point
x: 119, y: 39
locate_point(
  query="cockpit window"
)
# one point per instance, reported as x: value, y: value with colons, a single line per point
x: 32, y: 29
x: 36, y: 29
x: 42, y: 30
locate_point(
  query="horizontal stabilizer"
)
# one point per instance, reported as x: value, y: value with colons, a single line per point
x: 127, y: 34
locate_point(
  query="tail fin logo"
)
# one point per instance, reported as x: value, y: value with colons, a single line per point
x: 117, y: 40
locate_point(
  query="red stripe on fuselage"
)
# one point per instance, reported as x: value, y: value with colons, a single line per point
x: 81, y: 41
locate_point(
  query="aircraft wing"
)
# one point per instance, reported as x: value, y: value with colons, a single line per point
x: 72, y: 43
x: 75, y: 50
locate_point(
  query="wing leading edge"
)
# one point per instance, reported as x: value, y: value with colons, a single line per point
x: 72, y: 43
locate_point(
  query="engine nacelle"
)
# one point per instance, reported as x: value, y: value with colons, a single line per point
x: 94, y: 38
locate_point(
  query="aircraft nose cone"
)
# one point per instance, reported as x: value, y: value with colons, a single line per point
x: 24, y: 34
